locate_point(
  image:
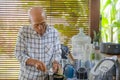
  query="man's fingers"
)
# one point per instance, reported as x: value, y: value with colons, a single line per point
x: 38, y: 66
x: 41, y: 66
x: 55, y: 68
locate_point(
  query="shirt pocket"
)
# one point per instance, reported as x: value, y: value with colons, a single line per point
x: 49, y: 49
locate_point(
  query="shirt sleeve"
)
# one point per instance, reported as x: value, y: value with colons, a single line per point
x: 20, y: 48
x: 57, y: 48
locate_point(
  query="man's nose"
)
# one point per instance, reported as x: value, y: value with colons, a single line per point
x: 39, y: 27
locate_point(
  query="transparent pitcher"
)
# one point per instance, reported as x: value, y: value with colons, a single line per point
x: 78, y: 44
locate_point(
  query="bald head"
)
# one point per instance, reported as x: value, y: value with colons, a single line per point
x: 36, y: 12
x: 37, y: 18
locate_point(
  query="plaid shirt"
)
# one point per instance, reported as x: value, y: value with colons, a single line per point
x: 31, y: 45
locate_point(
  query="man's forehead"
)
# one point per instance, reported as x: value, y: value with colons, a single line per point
x: 37, y: 12
x: 36, y: 9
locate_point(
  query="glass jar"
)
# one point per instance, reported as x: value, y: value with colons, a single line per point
x: 78, y: 44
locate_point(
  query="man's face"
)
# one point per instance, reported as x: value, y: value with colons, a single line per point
x: 38, y: 22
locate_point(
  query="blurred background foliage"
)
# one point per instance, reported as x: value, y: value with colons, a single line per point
x: 110, y: 22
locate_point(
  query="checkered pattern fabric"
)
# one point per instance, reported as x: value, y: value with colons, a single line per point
x: 31, y: 45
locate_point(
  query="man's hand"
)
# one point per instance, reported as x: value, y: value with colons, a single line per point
x: 57, y: 68
x: 38, y: 64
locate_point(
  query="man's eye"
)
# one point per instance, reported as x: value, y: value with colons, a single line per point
x: 42, y: 23
x: 36, y: 25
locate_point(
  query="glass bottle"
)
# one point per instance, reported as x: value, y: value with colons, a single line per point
x: 78, y: 44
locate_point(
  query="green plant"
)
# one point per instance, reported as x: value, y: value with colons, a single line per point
x: 97, y: 36
x: 110, y: 30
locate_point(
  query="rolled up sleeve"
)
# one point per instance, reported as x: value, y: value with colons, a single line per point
x: 57, y: 48
x: 20, y: 48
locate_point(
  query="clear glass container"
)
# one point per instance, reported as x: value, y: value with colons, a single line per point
x: 78, y: 44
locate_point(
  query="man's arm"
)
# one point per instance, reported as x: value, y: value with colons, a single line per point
x: 22, y: 55
x: 57, y: 48
x: 20, y: 48
x: 57, y: 54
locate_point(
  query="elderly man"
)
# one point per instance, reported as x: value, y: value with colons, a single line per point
x: 37, y: 45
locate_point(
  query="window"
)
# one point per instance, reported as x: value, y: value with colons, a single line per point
x: 67, y: 16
